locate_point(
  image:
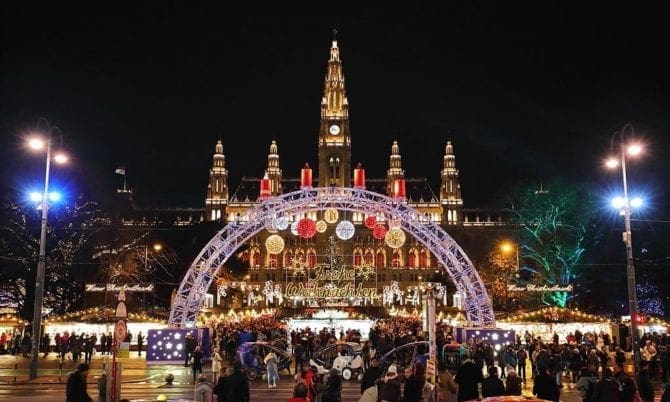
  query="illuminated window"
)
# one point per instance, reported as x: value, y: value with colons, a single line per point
x: 423, y: 259
x: 380, y: 260
x: 272, y: 260
x: 209, y: 300
x: 396, y: 259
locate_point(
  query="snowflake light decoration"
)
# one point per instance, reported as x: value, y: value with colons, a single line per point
x: 297, y: 266
x: 366, y: 271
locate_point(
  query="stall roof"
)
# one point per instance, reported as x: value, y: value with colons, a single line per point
x: 554, y: 315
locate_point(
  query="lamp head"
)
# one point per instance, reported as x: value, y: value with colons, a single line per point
x: 612, y: 163
x: 36, y: 143
x: 60, y: 158
x: 634, y: 149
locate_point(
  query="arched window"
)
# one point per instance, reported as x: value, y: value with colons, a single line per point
x: 272, y: 260
x: 358, y: 258
x: 311, y: 258
x: 411, y: 259
x: 423, y: 259
x: 396, y: 259
x: 368, y: 257
x: 380, y: 263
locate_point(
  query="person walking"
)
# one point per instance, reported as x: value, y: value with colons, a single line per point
x: 492, y: 385
x: 237, y: 386
x: 204, y: 391
x: 333, y: 389
x: 140, y: 343
x: 271, y: 369
x: 197, y: 362
x: 447, y: 387
x: 75, y: 388
x: 371, y: 374
x: 217, y: 362
x: 468, y: 376
x: 512, y: 383
x: 545, y: 386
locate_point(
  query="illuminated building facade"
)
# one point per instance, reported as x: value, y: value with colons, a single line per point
x: 408, y: 265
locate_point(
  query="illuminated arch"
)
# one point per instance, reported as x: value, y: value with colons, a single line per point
x: 197, y: 280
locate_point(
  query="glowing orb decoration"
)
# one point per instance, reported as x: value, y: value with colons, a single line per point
x: 306, y: 228
x: 321, y: 226
x: 394, y: 223
x: 331, y: 215
x: 274, y: 244
x: 294, y: 228
x: 281, y: 223
x: 379, y: 231
x: 395, y: 238
x: 370, y: 222
x: 345, y: 230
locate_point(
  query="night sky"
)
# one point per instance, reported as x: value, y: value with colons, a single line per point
x: 524, y: 92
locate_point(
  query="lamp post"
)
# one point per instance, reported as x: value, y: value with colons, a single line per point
x: 506, y: 247
x: 38, y: 143
x: 625, y: 205
x: 157, y: 247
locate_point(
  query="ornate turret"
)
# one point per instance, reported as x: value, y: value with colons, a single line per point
x: 273, y: 170
x: 217, y: 189
x: 450, y: 190
x: 395, y: 168
x: 334, y: 135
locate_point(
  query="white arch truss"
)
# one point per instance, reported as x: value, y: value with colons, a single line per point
x: 203, y: 270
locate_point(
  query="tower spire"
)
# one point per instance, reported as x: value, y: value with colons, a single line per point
x: 395, y: 170
x: 217, y: 189
x: 334, y: 135
x: 273, y: 170
x: 450, y: 190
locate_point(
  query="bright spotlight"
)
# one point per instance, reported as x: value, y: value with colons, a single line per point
x: 618, y: 202
x: 54, y: 196
x: 634, y: 149
x: 35, y: 196
x: 636, y: 202
x: 36, y: 143
x: 612, y: 163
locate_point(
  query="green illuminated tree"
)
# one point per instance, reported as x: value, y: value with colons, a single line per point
x: 556, y: 225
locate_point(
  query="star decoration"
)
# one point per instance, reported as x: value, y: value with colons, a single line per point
x: 297, y: 266
x: 366, y: 271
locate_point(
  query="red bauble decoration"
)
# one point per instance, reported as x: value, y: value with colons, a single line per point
x: 379, y: 231
x: 306, y: 228
x: 370, y: 222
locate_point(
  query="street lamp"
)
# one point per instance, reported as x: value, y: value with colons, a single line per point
x: 507, y: 247
x: 38, y: 143
x: 157, y: 247
x: 625, y: 204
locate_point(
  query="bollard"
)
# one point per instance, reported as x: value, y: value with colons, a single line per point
x: 60, y: 368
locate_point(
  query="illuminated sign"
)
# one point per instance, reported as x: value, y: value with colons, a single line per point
x: 112, y: 287
x: 539, y: 288
x: 324, y: 282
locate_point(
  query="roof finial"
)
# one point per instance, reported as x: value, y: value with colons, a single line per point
x: 334, y: 33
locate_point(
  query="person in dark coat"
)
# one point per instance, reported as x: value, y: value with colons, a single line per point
x: 197, y: 362
x: 608, y: 389
x: 371, y: 374
x: 414, y: 384
x: 237, y: 385
x: 75, y: 389
x: 468, y: 376
x: 190, y: 347
x: 644, y: 386
x: 333, y: 391
x: 512, y: 383
x: 492, y: 385
x: 221, y: 387
x: 545, y: 386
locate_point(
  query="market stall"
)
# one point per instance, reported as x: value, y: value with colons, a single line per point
x: 543, y: 323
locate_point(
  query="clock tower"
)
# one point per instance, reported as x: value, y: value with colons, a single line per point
x: 334, y: 135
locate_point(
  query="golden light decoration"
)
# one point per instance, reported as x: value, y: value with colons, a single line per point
x: 274, y: 244
x: 321, y: 226
x: 331, y: 215
x: 395, y: 238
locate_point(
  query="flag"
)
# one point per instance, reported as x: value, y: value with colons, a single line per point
x: 120, y: 170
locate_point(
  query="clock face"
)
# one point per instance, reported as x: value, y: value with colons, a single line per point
x: 334, y: 129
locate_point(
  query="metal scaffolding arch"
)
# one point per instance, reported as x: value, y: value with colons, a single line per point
x: 203, y: 270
